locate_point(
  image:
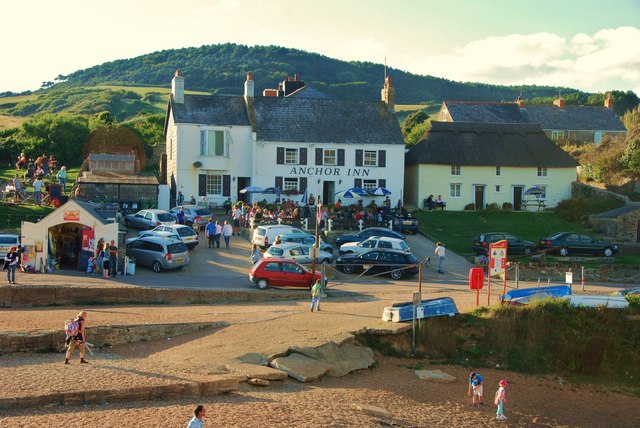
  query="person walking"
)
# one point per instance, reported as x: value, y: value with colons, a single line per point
x: 105, y: 260
x: 62, y: 178
x: 113, y: 258
x: 78, y: 340
x: 501, y: 400
x: 316, y: 290
x: 440, y: 253
x: 99, y: 255
x: 236, y: 214
x: 180, y: 216
x: 217, y: 233
x: 37, y: 190
x: 256, y: 255
x: 227, y: 231
x: 209, y: 232
x: 199, y: 412
x: 11, y: 261
x: 476, y: 389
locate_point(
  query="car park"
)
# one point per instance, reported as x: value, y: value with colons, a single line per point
x: 6, y: 242
x: 569, y: 243
x: 515, y: 245
x: 375, y: 242
x: 148, y: 219
x: 282, y: 272
x: 298, y: 252
x: 158, y: 253
x: 403, y: 222
x: 185, y: 233
x: 368, y: 233
x: 263, y: 236
x: 397, y: 264
x: 306, y: 238
x: 193, y: 214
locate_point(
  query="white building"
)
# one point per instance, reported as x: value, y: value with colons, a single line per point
x: 293, y: 138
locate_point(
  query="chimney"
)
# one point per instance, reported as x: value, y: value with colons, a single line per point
x: 608, y: 101
x: 559, y: 102
x: 388, y: 94
x: 521, y: 104
x: 177, y: 88
x: 248, y: 86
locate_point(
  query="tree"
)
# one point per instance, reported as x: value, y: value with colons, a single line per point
x: 59, y: 134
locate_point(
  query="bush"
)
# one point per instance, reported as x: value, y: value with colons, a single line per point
x: 492, y: 208
x: 507, y: 206
x: 470, y: 207
x: 578, y: 209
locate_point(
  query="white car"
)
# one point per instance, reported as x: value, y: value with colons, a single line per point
x: 373, y: 243
x: 265, y: 235
x: 186, y: 234
x: 297, y: 252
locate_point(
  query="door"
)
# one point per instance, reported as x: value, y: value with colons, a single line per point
x: 328, y: 192
x: 242, y: 183
x: 517, y: 197
x: 479, y: 197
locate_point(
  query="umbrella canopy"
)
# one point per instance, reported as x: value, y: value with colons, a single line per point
x: 535, y: 190
x: 379, y: 191
x: 358, y: 191
x: 252, y: 189
x: 274, y: 190
x: 350, y: 193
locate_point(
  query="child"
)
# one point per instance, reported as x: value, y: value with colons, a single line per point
x: 500, y: 400
x: 90, y: 266
x: 475, y: 389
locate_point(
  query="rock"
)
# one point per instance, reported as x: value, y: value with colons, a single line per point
x: 254, y: 358
x: 300, y: 367
x: 259, y: 382
x: 437, y: 375
x: 373, y: 410
x: 257, y: 371
x: 342, y: 359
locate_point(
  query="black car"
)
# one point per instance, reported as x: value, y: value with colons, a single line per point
x: 402, y: 221
x: 368, y: 233
x: 395, y: 263
x: 566, y: 243
x: 515, y: 245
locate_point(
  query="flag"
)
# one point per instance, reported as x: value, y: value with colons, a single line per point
x: 304, y: 197
x: 319, y: 212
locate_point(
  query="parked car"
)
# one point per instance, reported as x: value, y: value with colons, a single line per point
x: 282, y: 272
x: 158, y: 252
x: 152, y: 232
x: 185, y: 233
x: 264, y: 236
x: 373, y: 243
x: 397, y: 264
x: 6, y: 242
x: 566, y: 243
x: 627, y: 292
x: 297, y: 252
x: 306, y: 238
x: 148, y: 219
x: 515, y: 245
x: 193, y: 214
x: 368, y: 233
x: 403, y: 221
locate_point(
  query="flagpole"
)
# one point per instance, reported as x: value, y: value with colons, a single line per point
x: 316, y: 244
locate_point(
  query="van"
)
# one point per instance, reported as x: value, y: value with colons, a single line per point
x: 8, y: 241
x: 264, y: 235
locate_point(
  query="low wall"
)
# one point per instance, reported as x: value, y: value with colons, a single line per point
x: 18, y: 296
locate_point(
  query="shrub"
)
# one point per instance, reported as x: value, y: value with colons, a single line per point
x: 507, y: 206
x: 470, y: 207
x: 492, y: 208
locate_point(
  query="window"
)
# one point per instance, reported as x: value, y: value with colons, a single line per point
x: 330, y: 157
x: 212, y: 143
x: 291, y: 156
x: 455, y: 190
x: 498, y: 188
x: 557, y: 135
x: 497, y: 170
x: 290, y: 184
x: 369, y: 184
x: 542, y: 171
x: 455, y: 169
x: 214, y: 184
x: 370, y: 158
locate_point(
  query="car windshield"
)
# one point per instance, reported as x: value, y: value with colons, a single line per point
x: 165, y: 217
x: 178, y: 247
x: 186, y: 231
x: 556, y: 236
x: 275, y: 251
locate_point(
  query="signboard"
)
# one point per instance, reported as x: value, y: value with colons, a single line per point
x: 71, y: 215
x: 498, y: 258
x: 568, y: 278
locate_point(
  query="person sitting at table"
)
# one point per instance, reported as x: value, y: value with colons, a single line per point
x: 430, y: 203
x: 440, y: 203
x: 22, y: 161
x: 30, y: 173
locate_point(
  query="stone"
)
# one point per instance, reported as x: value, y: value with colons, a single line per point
x: 342, y: 359
x: 373, y: 410
x: 301, y: 368
x: 437, y: 375
x: 259, y: 382
x: 257, y: 371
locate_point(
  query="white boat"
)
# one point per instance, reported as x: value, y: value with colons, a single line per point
x: 595, y: 301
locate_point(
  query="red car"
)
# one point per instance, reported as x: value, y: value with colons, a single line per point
x: 282, y: 272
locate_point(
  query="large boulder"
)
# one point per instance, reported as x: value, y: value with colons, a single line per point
x: 300, y: 367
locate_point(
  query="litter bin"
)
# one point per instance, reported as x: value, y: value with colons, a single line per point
x: 131, y: 269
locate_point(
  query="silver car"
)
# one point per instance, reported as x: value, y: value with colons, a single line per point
x: 193, y: 214
x: 297, y: 252
x: 158, y: 253
x: 148, y: 219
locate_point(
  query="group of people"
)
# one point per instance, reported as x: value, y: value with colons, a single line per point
x: 476, y: 391
x: 105, y: 260
x: 35, y: 178
x: 438, y: 203
x: 213, y: 231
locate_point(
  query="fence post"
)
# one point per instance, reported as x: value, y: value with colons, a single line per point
x: 360, y: 224
x: 330, y: 224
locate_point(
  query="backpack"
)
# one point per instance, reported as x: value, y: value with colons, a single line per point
x: 72, y: 328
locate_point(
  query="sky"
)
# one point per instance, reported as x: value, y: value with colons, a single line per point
x: 591, y: 45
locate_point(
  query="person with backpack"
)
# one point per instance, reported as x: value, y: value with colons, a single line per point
x: 76, y: 337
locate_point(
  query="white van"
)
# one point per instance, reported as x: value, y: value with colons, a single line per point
x: 8, y: 241
x: 264, y: 236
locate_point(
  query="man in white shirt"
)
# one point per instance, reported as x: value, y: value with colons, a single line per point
x: 440, y: 253
x: 227, y: 231
x: 37, y: 187
x: 237, y: 218
x: 196, y: 421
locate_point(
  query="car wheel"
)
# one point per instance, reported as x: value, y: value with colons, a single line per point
x: 191, y: 247
x: 325, y: 261
x: 564, y: 251
x: 608, y: 251
x: 529, y: 250
x: 396, y: 274
x: 157, y: 266
x: 262, y: 283
x: 347, y: 269
x: 127, y: 222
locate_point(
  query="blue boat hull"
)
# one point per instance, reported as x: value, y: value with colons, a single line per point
x: 522, y: 294
x: 444, y: 306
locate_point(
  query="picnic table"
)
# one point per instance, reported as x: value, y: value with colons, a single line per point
x: 540, y: 204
